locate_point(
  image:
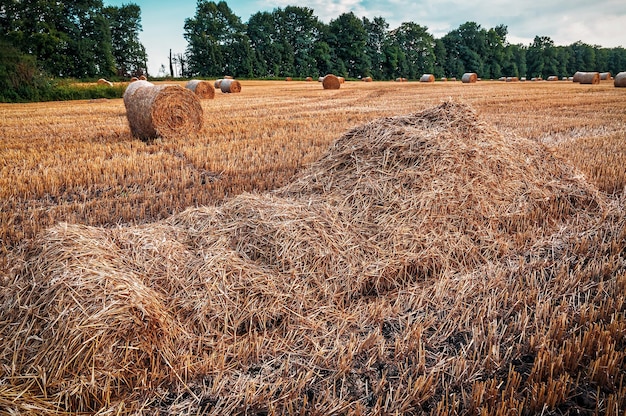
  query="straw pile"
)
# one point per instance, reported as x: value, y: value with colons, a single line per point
x: 469, y: 78
x: 229, y: 85
x: 620, y: 79
x: 331, y: 82
x: 427, y: 78
x: 161, y: 111
x: 203, y: 89
x: 421, y: 254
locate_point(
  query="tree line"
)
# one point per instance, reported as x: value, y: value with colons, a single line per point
x: 83, y: 39
x: 293, y: 42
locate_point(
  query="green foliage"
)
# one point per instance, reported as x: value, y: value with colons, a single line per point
x: 73, y: 38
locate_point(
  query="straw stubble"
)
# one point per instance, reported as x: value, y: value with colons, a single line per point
x: 355, y: 288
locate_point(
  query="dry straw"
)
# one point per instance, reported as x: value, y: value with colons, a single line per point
x: 469, y: 78
x: 161, y: 110
x: 331, y: 82
x: 420, y: 254
x: 427, y: 78
x: 229, y: 85
x: 203, y: 89
x: 620, y: 79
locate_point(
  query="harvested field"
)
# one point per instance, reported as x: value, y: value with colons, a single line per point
x: 378, y: 250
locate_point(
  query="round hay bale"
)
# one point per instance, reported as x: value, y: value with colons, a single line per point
x: 589, y: 78
x: 288, y: 79
x: 502, y: 79
x: 228, y: 77
x: 162, y: 111
x: 133, y: 79
x: 427, y: 78
x: 620, y: 80
x: 203, y: 89
x: 103, y: 81
x: 229, y: 85
x: 309, y: 79
x: 320, y: 79
x: 367, y: 79
x: 469, y: 78
x: 341, y: 80
x: 605, y: 76
x: 217, y: 84
x: 143, y: 78
x: 553, y: 78
x: 331, y: 82
x: 134, y: 86
x: 453, y: 79
x: 512, y: 79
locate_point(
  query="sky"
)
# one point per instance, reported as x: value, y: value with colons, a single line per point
x: 564, y: 21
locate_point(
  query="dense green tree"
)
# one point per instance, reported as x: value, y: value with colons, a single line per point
x: 377, y: 34
x: 348, y: 39
x: 261, y: 30
x: 542, y: 58
x: 298, y: 31
x: 128, y: 52
x: 67, y: 38
x: 217, y: 42
x: 20, y: 78
x: 417, y: 48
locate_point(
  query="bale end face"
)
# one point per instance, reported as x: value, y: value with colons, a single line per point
x: 229, y: 85
x: 331, y: 82
x: 620, y: 80
x: 163, y: 111
x: 469, y: 78
x: 203, y: 89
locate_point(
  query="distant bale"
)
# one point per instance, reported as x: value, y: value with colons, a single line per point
x: 553, y: 78
x: 331, y: 82
x: 502, y: 79
x: 203, y: 89
x: 133, y: 79
x: 143, y: 78
x: 229, y: 85
x: 469, y: 78
x: 320, y: 79
x: 453, y: 79
x: 512, y: 79
x: 341, y: 80
x: 444, y: 79
x: 161, y: 110
x: 427, y: 78
x: 309, y: 79
x: 367, y: 79
x: 218, y: 83
x: 620, y: 80
x: 228, y: 77
x: 523, y: 79
x: 589, y: 78
x: 288, y: 79
x: 605, y: 76
x: 103, y: 81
